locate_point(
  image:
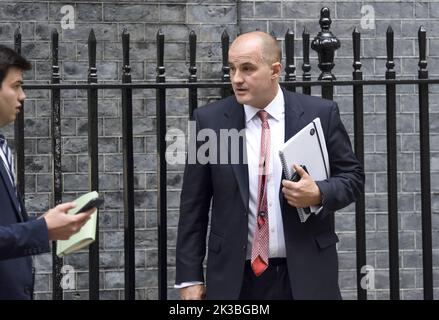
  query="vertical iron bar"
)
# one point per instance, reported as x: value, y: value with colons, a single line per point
x: 327, y: 90
x: 225, y: 92
x: 56, y: 162
x: 161, y: 169
x: 93, y: 162
x: 306, y: 67
x: 19, y: 131
x: 290, y: 68
x: 424, y: 134
x: 128, y: 172
x: 360, y: 206
x: 193, y: 104
x: 392, y: 182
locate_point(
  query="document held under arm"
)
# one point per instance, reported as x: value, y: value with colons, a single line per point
x: 307, y: 147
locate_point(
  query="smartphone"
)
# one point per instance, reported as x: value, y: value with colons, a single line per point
x: 296, y: 176
x: 96, y: 202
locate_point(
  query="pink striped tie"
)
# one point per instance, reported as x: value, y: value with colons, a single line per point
x: 260, y: 248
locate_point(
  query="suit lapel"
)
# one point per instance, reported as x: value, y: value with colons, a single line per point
x: 293, y: 114
x: 10, y: 189
x: 234, y: 118
x: 293, y: 122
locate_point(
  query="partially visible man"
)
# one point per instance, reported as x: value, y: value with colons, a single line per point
x: 257, y: 247
x: 20, y: 235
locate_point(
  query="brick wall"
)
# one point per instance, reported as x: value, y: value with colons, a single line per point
x: 208, y: 19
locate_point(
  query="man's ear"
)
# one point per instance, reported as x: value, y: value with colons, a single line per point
x: 276, y: 69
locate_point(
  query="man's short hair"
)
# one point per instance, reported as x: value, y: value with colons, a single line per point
x: 9, y: 58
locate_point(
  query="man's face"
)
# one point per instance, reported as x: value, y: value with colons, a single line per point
x: 253, y: 80
x: 11, y: 95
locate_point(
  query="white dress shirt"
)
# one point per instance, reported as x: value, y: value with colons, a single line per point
x: 253, y: 131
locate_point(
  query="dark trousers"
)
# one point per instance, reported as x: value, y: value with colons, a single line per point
x: 272, y: 284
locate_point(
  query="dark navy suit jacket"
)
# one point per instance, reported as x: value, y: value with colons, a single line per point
x: 310, y: 247
x: 20, y: 237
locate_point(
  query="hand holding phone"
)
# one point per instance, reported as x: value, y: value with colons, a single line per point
x: 296, y: 177
x: 93, y: 203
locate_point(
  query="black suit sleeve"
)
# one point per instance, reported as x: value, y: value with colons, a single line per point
x: 194, y: 216
x: 346, y: 180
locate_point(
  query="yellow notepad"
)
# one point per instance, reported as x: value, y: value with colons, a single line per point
x: 86, y: 235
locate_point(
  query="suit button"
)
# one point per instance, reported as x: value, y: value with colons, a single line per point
x: 244, y: 247
x: 27, y: 290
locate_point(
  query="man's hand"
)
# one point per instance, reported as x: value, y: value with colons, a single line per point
x: 62, y: 226
x: 195, y: 292
x: 303, y: 193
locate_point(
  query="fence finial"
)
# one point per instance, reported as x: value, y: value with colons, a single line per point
x: 193, y: 95
x: 390, y: 64
x: 290, y: 68
x: 225, y: 39
x: 92, y: 49
x: 17, y: 40
x: 126, y: 52
x: 422, y: 38
x: 160, y: 77
x: 192, y: 56
x: 356, y: 38
x: 91, y: 36
x: 325, y: 43
x: 225, y: 55
x: 325, y: 20
x: 55, y: 66
x: 306, y: 67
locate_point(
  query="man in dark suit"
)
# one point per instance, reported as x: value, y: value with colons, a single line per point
x: 20, y: 235
x: 257, y: 246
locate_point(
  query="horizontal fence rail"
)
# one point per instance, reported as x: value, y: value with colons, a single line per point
x: 216, y: 84
x: 325, y: 44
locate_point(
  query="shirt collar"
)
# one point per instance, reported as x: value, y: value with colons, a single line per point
x: 275, y: 108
